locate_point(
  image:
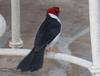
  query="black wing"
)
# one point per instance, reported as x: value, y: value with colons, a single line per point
x: 49, y: 29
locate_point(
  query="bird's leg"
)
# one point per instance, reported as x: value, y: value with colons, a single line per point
x: 51, y: 49
x: 48, y: 49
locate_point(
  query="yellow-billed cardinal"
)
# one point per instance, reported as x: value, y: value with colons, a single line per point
x: 47, y: 34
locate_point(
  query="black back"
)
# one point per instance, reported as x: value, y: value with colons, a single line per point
x: 48, y: 30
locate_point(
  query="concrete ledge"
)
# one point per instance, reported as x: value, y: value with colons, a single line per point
x: 51, y: 55
x: 17, y: 52
x: 71, y: 59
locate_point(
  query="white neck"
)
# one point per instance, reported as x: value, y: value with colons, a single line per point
x: 55, y: 17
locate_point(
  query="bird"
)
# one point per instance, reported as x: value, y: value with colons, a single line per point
x: 47, y: 35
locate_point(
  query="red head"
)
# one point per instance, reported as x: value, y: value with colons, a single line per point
x: 54, y: 10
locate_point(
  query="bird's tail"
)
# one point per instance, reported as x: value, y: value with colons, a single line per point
x: 33, y: 61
